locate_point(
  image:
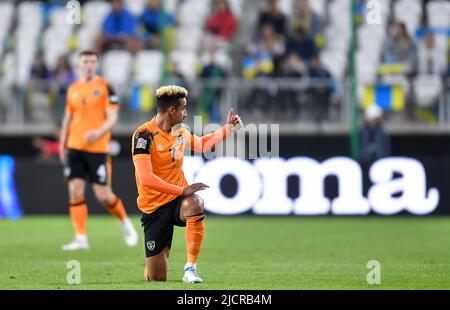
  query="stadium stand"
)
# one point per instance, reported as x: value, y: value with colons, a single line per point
x: 404, y: 72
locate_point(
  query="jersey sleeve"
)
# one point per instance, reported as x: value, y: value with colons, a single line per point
x: 112, y: 99
x: 142, y: 144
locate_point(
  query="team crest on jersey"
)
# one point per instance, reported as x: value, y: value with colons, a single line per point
x: 97, y: 93
x: 151, y: 245
x: 141, y: 143
x: 180, y: 139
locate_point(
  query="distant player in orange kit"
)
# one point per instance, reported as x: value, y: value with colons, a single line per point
x: 91, y: 111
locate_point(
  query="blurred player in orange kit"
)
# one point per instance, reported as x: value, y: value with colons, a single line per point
x: 91, y: 111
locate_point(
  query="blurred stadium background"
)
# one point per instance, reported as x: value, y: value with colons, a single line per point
x: 342, y: 90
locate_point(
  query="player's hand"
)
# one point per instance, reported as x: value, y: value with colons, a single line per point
x: 191, y: 189
x: 93, y: 136
x: 62, y: 155
x: 234, y: 122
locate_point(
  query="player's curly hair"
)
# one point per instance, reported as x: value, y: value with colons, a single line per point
x: 167, y: 96
x: 171, y: 90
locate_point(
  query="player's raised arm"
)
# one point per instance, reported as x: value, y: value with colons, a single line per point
x: 209, y: 141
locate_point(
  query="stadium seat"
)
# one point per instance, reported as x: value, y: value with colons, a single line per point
x: 56, y: 43
x: 149, y: 67
x: 186, y: 61
x: 135, y: 6
x: 30, y: 14
x: 286, y: 6
x: 342, y: 45
x: 371, y: 36
x: 335, y: 62
x: 26, y: 46
x: 94, y: 12
x: 366, y: 68
x: 86, y: 38
x: 116, y: 67
x: 187, y: 17
x: 6, y: 12
x: 9, y: 69
x: 24, y: 62
x: 427, y: 89
x: 438, y: 13
x: 58, y: 18
x: 237, y: 6
x: 318, y: 7
x: 170, y: 5
x: 340, y: 17
x: 408, y: 12
x: 188, y: 38
x: 221, y: 58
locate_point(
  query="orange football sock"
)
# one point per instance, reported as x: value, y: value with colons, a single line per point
x: 78, y: 215
x: 195, y: 233
x: 116, y: 208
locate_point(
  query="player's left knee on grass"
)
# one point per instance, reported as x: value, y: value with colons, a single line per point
x: 192, y: 205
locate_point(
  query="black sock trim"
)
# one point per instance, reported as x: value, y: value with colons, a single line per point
x: 200, y: 219
x: 78, y: 203
x: 203, y: 213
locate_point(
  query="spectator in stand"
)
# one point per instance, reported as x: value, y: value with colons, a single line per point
x: 268, y: 43
x: 302, y: 45
x: 119, y: 30
x: 274, y: 17
x: 39, y: 71
x: 399, y: 48
x: 175, y: 76
x: 62, y: 77
x: 375, y: 143
x: 155, y: 19
x: 431, y: 60
x: 292, y: 68
x: 321, y: 91
x: 220, y: 27
x: 214, y: 69
x: 306, y: 19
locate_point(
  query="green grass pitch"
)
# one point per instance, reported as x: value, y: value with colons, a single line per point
x: 239, y: 253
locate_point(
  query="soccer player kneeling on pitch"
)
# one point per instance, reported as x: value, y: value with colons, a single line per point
x: 91, y: 111
x: 165, y: 197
